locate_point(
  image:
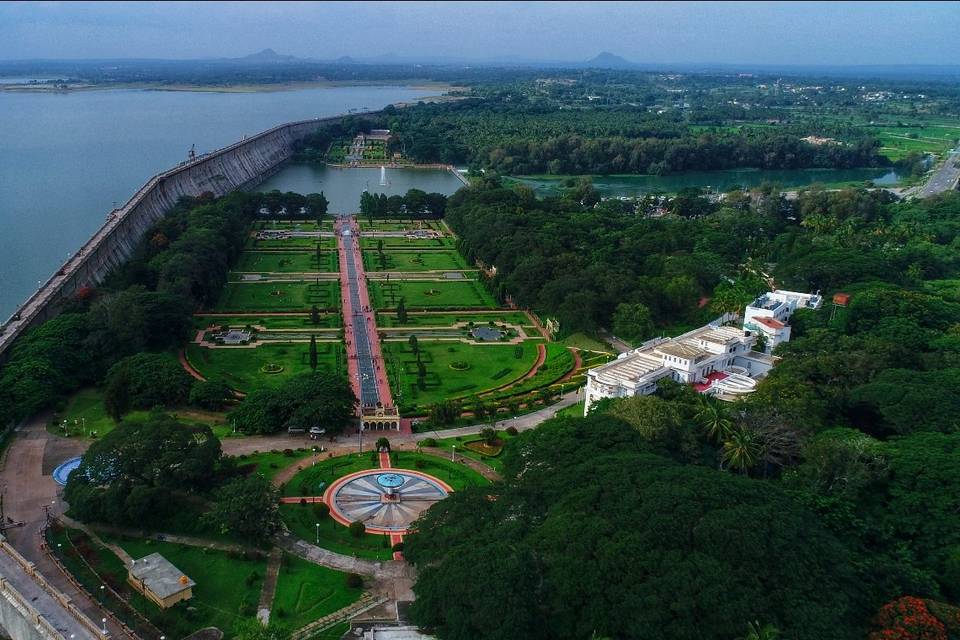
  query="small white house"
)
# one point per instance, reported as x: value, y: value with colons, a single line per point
x: 770, y: 313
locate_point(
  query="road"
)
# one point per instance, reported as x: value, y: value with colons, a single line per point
x: 944, y: 178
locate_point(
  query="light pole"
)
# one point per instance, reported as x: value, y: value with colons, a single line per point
x: 318, y: 534
x: 104, y: 622
x: 453, y: 454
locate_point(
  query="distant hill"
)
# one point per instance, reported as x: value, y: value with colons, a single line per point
x: 267, y: 55
x: 607, y: 60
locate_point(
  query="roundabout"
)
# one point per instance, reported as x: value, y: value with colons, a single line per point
x: 386, y: 501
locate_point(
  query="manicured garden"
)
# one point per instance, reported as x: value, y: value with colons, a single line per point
x: 418, y: 294
x: 435, y: 319
x: 327, y: 320
x: 246, y: 369
x: 473, y: 447
x: 278, y: 296
x: 413, y: 261
x: 488, y: 367
x: 406, y: 244
x: 286, y: 262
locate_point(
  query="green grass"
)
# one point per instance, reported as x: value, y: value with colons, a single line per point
x: 326, y: 224
x: 290, y: 243
x: 227, y: 589
x: 240, y: 368
x: 586, y: 343
x: 490, y: 366
x: 456, y: 474
x: 396, y: 225
x: 270, y: 463
x: 389, y: 319
x: 333, y: 535
x: 328, y: 320
x: 414, y: 261
x: 307, y: 592
x: 559, y: 362
x: 494, y: 462
x: 315, y: 478
x: 573, y: 411
x: 286, y: 262
x: 278, y: 296
x: 426, y: 295
x: 407, y: 243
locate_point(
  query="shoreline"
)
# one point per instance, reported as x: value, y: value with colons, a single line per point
x: 425, y: 85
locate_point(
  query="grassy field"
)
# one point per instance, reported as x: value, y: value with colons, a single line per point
x: 240, y: 297
x: 304, y: 243
x: 425, y: 295
x: 389, y: 319
x: 456, y: 474
x: 414, y: 261
x: 494, y: 462
x: 558, y: 363
x: 934, y: 135
x: 334, y: 536
x: 326, y: 224
x: 397, y: 225
x: 586, y: 343
x: 573, y: 411
x: 407, y: 244
x: 269, y: 463
x: 328, y: 320
x: 488, y: 366
x: 286, y: 262
x: 307, y: 592
x: 241, y: 368
x: 228, y: 586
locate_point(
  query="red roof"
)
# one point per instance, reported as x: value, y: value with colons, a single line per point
x: 703, y: 386
x: 770, y: 322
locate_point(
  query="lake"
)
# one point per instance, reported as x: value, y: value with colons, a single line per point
x: 634, y: 185
x: 343, y: 186
x: 67, y: 158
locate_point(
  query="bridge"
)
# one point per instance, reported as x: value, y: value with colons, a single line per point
x: 32, y: 609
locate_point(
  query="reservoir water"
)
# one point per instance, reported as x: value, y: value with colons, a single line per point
x: 343, y: 186
x: 66, y: 158
x: 634, y: 185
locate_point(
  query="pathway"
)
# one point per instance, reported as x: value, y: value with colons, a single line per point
x: 364, y: 358
x: 269, y: 588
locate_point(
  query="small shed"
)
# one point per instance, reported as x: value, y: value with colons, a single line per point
x: 157, y: 579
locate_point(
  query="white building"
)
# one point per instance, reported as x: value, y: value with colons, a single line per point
x: 715, y: 359
x: 768, y: 315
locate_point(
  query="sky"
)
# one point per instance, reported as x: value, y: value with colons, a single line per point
x: 809, y: 33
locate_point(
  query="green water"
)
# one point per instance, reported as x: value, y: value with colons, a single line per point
x: 633, y: 185
x: 342, y: 187
x: 66, y: 158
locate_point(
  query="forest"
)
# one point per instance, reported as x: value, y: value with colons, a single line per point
x: 822, y: 505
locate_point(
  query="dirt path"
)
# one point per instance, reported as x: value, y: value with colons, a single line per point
x: 269, y: 588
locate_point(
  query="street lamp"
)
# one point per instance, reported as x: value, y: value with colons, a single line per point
x: 104, y: 621
x: 453, y: 454
x: 318, y: 534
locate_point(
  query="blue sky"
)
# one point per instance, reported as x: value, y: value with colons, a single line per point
x: 654, y: 32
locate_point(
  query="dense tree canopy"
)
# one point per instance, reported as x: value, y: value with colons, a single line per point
x: 592, y: 534
x: 311, y: 400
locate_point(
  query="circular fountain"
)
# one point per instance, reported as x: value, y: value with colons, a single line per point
x: 385, y: 501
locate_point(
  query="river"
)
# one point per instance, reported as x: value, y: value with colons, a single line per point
x: 67, y: 158
x: 342, y: 187
x: 634, y: 185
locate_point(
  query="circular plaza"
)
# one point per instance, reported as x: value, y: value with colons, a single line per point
x: 387, y: 501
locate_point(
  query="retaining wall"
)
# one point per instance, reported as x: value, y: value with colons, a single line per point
x: 238, y: 166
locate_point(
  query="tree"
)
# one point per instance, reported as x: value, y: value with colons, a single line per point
x: 304, y: 401
x: 313, y: 352
x: 756, y: 631
x: 321, y: 510
x: 246, y: 507
x: 143, y: 381
x: 712, y: 416
x: 402, y: 312
x: 314, y: 315
x: 357, y: 529
x: 741, y: 451
x: 383, y: 444
x: 211, y: 395
x: 633, y: 322
x: 691, y: 535
x: 908, y: 618
x: 253, y: 629
x: 414, y: 345
x: 489, y: 435
x: 134, y: 473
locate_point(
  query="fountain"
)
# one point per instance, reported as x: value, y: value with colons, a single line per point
x: 383, y: 176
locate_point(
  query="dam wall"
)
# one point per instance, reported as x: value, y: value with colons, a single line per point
x: 238, y: 166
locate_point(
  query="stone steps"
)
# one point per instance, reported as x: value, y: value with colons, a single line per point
x: 365, y: 603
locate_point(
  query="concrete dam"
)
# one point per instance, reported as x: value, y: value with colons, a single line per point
x: 238, y: 166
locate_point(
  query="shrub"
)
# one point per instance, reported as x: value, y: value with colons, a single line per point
x: 321, y: 510
x: 511, y: 431
x: 357, y: 528
x: 428, y: 442
x: 354, y: 581
x: 398, y: 546
x: 420, y: 464
x: 251, y: 578
x: 288, y: 453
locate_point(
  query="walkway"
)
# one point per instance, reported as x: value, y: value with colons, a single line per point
x: 365, y: 360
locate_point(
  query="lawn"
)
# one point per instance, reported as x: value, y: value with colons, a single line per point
x: 369, y: 242
x: 307, y: 592
x: 241, y: 368
x: 316, y: 477
x: 270, y: 463
x: 456, y: 474
x: 302, y: 521
x: 586, y: 343
x: 414, y: 261
x: 494, y: 462
x: 300, y: 321
x: 487, y: 367
x: 228, y: 585
x: 286, y: 262
x: 451, y: 294
x: 389, y: 319
x: 241, y: 297
x: 573, y: 411
x: 559, y: 362
x: 396, y: 225
x: 307, y: 242
x: 326, y: 224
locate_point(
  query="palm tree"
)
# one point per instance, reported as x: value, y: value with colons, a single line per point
x: 712, y: 417
x: 741, y: 450
x: 756, y: 632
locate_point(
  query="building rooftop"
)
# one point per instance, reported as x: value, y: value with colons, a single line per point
x: 773, y: 323
x: 681, y: 350
x: 160, y: 576
x: 630, y: 367
x: 722, y: 335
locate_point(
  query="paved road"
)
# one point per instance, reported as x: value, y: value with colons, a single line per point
x: 944, y: 178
